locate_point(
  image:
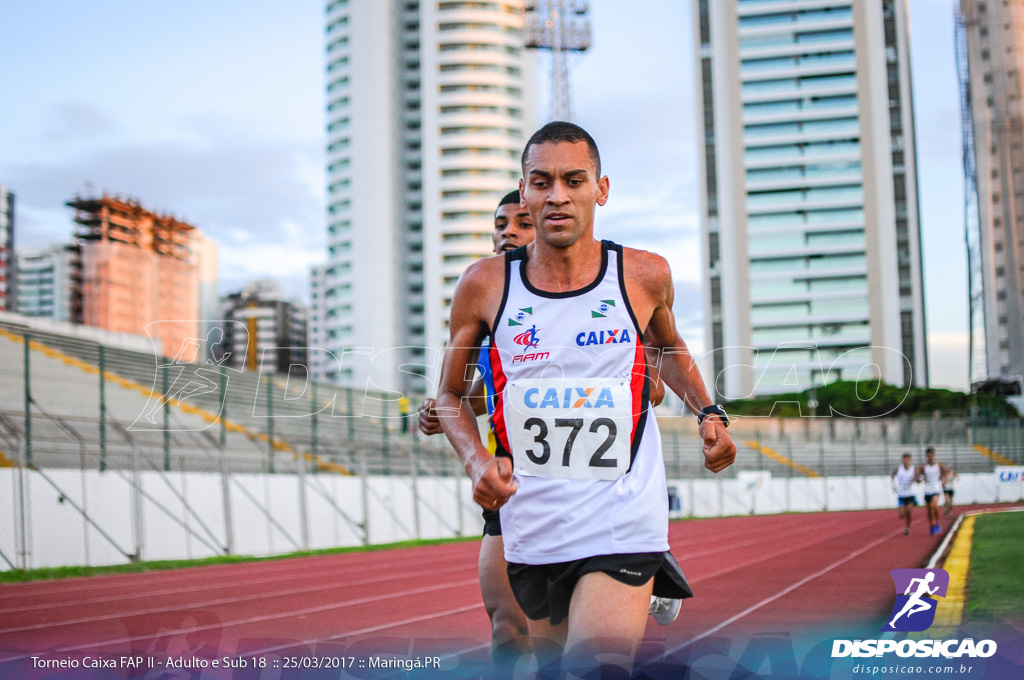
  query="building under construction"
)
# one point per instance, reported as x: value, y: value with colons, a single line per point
x: 133, y: 268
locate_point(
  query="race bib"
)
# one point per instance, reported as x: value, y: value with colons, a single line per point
x: 569, y: 428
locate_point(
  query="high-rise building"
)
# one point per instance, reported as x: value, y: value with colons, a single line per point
x: 429, y: 105
x: 319, y: 361
x: 812, y: 252
x: 8, y: 270
x: 44, y: 282
x: 204, y: 258
x: 993, y: 35
x: 133, y: 272
x: 274, y: 335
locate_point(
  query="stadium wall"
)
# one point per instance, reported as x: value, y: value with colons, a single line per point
x: 184, y: 516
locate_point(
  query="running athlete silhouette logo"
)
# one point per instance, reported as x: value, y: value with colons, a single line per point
x: 914, y: 610
x: 528, y: 338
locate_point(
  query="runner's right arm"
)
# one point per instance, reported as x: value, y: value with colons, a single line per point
x: 474, y: 305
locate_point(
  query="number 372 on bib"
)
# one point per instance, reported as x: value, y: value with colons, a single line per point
x: 570, y: 429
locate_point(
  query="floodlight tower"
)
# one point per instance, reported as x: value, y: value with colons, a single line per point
x: 561, y: 26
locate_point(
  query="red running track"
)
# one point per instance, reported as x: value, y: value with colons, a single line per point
x: 749, y: 574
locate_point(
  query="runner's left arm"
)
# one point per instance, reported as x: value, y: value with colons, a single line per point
x: 678, y: 369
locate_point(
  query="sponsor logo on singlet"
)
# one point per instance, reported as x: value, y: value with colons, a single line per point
x: 528, y: 338
x: 569, y: 397
x: 603, y: 337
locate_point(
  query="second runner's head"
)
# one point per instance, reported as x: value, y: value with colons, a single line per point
x: 562, y: 183
x: 512, y: 224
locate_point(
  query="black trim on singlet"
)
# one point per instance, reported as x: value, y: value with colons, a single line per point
x: 509, y: 256
x: 645, y: 399
x: 625, y: 298
x: 605, y: 245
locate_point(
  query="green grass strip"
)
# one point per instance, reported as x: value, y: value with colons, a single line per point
x: 995, y: 586
x: 46, y: 573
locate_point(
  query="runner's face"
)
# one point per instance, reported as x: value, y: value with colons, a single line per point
x: 561, y: 187
x: 906, y: 462
x: 931, y: 458
x: 512, y: 228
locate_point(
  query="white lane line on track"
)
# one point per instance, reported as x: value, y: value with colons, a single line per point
x: 150, y: 579
x: 320, y: 587
x: 761, y: 539
x: 260, y: 619
x: 372, y: 629
x: 768, y: 600
x: 234, y: 585
x: 777, y: 553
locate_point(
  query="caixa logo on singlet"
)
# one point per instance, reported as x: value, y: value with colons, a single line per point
x: 603, y: 337
x: 569, y: 397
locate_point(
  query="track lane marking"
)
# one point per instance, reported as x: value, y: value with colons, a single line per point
x: 785, y: 591
x: 259, y: 619
x: 320, y: 587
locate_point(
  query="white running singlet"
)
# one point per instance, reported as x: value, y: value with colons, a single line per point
x: 571, y: 379
x: 932, y: 479
x: 905, y: 480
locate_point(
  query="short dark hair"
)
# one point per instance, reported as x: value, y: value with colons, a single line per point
x: 510, y: 197
x: 930, y: 449
x: 907, y: 455
x: 561, y: 131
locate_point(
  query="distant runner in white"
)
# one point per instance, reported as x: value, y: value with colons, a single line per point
x: 903, y: 478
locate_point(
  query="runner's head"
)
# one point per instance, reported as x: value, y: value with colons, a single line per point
x: 906, y: 460
x: 562, y: 182
x: 930, y: 455
x: 512, y: 224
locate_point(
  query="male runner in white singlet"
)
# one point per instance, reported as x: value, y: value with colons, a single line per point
x: 903, y: 478
x: 579, y: 470
x: 932, y: 474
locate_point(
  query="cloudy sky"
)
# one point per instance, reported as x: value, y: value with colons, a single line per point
x: 213, y: 111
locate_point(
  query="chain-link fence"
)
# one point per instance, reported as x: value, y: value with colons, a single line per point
x: 247, y: 462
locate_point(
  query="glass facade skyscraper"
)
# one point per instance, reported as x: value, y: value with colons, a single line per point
x: 810, y: 221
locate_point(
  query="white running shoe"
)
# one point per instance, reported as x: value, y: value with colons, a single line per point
x: 664, y: 610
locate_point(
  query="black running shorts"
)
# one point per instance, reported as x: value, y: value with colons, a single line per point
x: 908, y: 500
x: 929, y: 496
x: 543, y: 591
x: 492, y: 523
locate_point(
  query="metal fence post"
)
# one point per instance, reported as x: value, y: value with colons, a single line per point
x: 270, y: 423
x: 225, y: 492
x: 223, y: 409
x: 167, y: 425
x: 21, y: 531
x: 351, y: 417
x: 364, y: 475
x: 384, y: 435
x: 885, y: 448
x: 853, y: 452
x: 303, y: 509
x: 415, y: 496
x: 103, y: 409
x: 28, y: 405
x: 313, y: 432
x: 136, y: 504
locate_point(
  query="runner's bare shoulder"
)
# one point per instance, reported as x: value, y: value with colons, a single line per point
x: 645, y: 269
x: 481, y: 286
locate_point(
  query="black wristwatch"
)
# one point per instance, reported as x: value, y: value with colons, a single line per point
x: 713, y: 410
